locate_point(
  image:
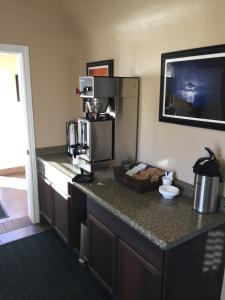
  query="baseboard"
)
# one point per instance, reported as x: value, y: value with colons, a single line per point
x: 12, y: 170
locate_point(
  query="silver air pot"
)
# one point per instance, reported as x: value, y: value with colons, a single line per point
x: 206, y: 185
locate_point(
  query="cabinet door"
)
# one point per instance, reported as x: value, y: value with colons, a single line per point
x: 45, y: 198
x: 195, y: 269
x: 137, y: 279
x: 102, y: 252
x: 61, y: 215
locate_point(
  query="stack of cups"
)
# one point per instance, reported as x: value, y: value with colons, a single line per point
x: 168, y: 178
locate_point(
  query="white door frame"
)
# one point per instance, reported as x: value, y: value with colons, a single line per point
x: 26, y: 97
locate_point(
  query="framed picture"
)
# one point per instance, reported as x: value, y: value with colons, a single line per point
x: 192, y: 89
x: 100, y: 68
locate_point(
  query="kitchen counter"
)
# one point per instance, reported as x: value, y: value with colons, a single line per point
x: 167, y: 223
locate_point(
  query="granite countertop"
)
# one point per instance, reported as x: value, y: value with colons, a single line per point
x: 167, y: 223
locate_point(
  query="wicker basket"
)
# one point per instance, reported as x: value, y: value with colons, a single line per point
x: 140, y: 186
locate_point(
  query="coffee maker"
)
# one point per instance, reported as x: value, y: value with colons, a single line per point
x: 107, y: 134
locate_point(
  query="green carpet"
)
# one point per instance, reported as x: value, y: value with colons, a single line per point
x: 42, y: 267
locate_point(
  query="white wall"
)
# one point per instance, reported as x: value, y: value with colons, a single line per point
x: 135, y: 35
x: 54, y: 61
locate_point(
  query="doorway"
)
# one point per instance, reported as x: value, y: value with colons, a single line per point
x: 13, y: 196
x: 18, y: 179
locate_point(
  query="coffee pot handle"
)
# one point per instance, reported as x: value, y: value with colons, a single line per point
x: 211, y: 154
x: 199, y: 161
x: 211, y: 157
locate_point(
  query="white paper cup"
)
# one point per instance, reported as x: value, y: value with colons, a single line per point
x: 166, y: 180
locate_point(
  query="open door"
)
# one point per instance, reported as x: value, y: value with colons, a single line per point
x: 24, y: 89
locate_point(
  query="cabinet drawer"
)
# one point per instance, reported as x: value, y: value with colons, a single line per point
x: 56, y: 177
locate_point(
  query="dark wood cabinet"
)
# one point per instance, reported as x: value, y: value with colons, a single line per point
x: 122, y: 270
x: 191, y: 270
x: 61, y: 214
x: 194, y: 269
x: 102, y: 252
x: 128, y: 264
x: 132, y: 264
x: 45, y: 198
x: 77, y: 214
x: 54, y: 207
x: 137, y: 279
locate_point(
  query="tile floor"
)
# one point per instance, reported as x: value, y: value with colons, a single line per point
x: 13, y: 198
x: 14, y: 224
x: 23, y: 232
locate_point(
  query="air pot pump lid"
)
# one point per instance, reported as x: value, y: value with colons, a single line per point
x: 208, y: 166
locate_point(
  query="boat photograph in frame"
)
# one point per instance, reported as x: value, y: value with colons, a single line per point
x: 192, y: 87
x: 100, y: 68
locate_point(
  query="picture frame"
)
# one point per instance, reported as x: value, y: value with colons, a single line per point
x: 192, y: 87
x: 100, y: 68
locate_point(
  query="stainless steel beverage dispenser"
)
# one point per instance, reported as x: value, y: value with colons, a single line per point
x: 71, y: 136
x: 108, y: 133
x: 206, y: 185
